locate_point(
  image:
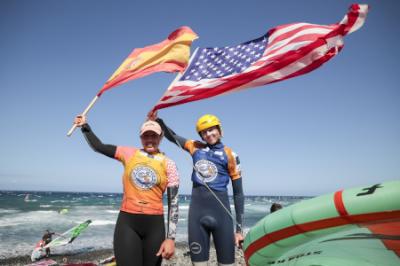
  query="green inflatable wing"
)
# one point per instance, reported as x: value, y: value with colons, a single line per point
x: 357, y: 227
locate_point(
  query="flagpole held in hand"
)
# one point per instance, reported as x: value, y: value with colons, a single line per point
x: 84, y: 113
x: 171, y: 55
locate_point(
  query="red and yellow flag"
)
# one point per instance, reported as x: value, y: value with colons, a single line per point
x: 170, y: 55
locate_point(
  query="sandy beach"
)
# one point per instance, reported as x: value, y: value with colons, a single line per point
x: 181, y: 257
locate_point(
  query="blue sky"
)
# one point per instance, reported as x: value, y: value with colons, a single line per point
x: 336, y: 127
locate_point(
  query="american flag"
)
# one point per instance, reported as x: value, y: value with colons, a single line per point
x: 284, y: 52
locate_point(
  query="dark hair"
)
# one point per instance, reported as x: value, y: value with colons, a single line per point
x: 275, y: 207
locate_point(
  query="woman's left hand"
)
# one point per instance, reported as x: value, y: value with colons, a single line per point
x: 167, y: 249
x: 152, y: 115
x: 239, y: 240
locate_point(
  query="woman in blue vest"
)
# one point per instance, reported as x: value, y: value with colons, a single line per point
x: 214, y: 165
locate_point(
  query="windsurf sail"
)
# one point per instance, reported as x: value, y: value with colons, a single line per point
x: 68, y: 236
x: 61, y: 240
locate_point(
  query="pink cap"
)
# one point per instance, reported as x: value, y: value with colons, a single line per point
x: 150, y: 126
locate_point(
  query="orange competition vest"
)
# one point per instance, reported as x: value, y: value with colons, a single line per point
x: 145, y: 180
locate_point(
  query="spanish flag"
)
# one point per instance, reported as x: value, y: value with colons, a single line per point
x: 170, y: 55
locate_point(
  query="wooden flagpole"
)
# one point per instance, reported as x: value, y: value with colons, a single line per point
x: 84, y: 113
x: 98, y: 96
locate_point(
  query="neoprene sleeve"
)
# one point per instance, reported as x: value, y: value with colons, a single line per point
x: 238, y: 200
x: 96, y: 144
x: 171, y: 135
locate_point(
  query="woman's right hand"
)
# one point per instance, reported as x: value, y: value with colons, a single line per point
x: 80, y: 120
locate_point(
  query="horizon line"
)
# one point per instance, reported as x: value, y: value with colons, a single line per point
x: 97, y: 192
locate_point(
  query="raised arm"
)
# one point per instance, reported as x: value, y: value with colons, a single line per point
x: 93, y: 141
x: 171, y: 135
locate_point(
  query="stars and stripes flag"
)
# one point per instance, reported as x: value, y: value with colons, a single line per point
x: 284, y: 52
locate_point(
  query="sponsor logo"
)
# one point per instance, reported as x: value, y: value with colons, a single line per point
x: 295, y: 257
x: 195, y: 248
x: 369, y: 190
x: 144, y: 177
x: 205, y: 170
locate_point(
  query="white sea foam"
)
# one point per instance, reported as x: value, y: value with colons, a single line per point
x: 263, y: 208
x: 101, y: 222
x: 30, y: 200
x: 45, y: 206
x: 112, y: 211
x: 6, y: 211
x: 27, y: 218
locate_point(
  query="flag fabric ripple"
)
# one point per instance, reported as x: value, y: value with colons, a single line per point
x: 284, y: 52
x: 170, y: 55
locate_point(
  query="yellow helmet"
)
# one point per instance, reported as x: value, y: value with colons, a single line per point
x: 207, y: 121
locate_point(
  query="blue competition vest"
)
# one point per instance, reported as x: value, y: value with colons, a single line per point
x: 214, y: 165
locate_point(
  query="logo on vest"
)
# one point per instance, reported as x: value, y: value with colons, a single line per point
x: 144, y: 177
x: 205, y: 170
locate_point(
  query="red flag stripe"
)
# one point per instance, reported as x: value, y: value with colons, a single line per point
x: 352, y: 18
x: 284, y: 31
x: 290, y: 45
x: 306, y: 29
x: 315, y: 64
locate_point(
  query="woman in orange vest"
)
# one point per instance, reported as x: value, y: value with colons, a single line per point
x: 139, y: 236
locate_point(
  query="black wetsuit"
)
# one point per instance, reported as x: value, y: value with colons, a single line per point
x: 47, y: 237
x: 206, y: 215
x: 137, y: 237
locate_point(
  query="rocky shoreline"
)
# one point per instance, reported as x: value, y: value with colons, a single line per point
x: 181, y: 257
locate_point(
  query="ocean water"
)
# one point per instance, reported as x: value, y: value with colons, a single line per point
x: 23, y: 219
